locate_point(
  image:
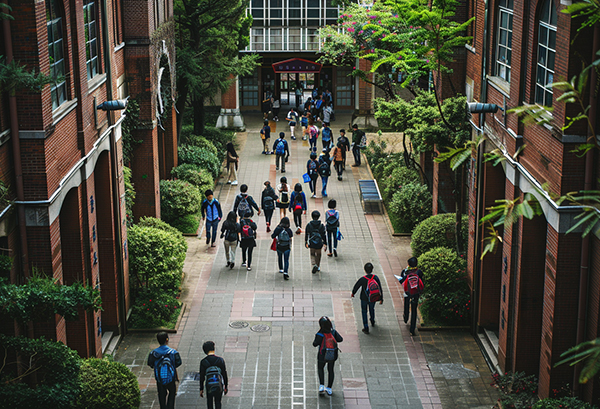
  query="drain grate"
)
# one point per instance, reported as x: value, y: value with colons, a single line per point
x: 260, y: 328
x: 238, y: 324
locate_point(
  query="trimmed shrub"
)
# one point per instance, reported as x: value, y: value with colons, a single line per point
x: 154, y: 308
x: 195, y: 175
x: 409, y: 206
x: 178, y: 198
x: 447, y: 296
x: 107, y: 384
x: 201, y: 157
x: 438, y: 231
x: 187, y: 224
x: 218, y: 137
x: 566, y: 403
x: 398, y: 177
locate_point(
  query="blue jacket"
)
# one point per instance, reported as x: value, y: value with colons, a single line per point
x: 211, y: 211
x: 162, y: 350
x: 293, y: 200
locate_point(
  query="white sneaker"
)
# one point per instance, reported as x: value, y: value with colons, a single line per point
x: 234, y: 183
x: 321, y: 388
x: 329, y: 391
x: 229, y: 182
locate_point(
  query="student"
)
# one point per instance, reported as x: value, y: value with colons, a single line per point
x: 298, y: 93
x: 283, y: 234
x: 313, y: 135
x: 327, y: 111
x: 232, y: 164
x: 213, y: 375
x: 323, y: 340
x: 284, y: 191
x: 211, y: 212
x: 292, y: 118
x: 304, y: 123
x: 248, y: 240
x: 315, y: 240
x: 411, y: 301
x: 266, y: 105
x: 298, y: 206
x: 276, y: 107
x: 357, y: 140
x: 265, y: 135
x: 312, y: 168
x: 267, y: 201
x: 332, y: 225
x: 244, y: 203
x: 324, y: 170
x: 326, y: 136
x: 165, y: 361
x: 342, y: 139
x: 230, y: 232
x: 282, y: 151
x: 338, y: 160
x: 370, y: 293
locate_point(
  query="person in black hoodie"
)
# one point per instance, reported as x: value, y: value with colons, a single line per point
x: 363, y: 283
x: 248, y: 242
x: 315, y: 239
x: 283, y: 234
x: 268, y: 200
x: 230, y: 231
x: 244, y: 203
x: 326, y: 327
x: 209, y: 362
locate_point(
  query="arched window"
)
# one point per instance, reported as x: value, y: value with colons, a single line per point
x: 54, y: 23
x: 546, y: 52
x: 90, y: 25
x: 504, y: 39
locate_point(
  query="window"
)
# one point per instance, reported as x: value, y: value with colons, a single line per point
x: 546, y: 52
x: 343, y: 87
x: 91, y: 38
x: 504, y: 39
x: 54, y: 23
x: 258, y: 39
x: 249, y: 90
x: 116, y: 7
x: 275, y: 40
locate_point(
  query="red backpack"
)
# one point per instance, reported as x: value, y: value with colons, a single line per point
x: 413, y: 285
x: 373, y: 290
x: 329, y: 346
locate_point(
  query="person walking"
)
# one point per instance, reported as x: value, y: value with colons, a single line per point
x: 315, y: 239
x: 165, y: 361
x: 211, y: 212
x: 326, y: 340
x: 284, y: 191
x: 298, y: 206
x: 276, y: 106
x: 248, y: 240
x: 357, y: 142
x: 370, y: 293
x: 304, y: 123
x: 266, y: 106
x: 313, y: 135
x: 312, y: 168
x: 412, y: 280
x: 230, y: 232
x: 213, y: 375
x: 298, y: 93
x: 338, y: 160
x: 265, y: 135
x: 282, y: 151
x: 283, y: 234
x: 332, y: 225
x: 267, y: 200
x: 292, y: 118
x: 324, y: 170
x: 326, y: 136
x: 327, y: 111
x: 244, y: 203
x: 232, y: 164
x: 343, y: 140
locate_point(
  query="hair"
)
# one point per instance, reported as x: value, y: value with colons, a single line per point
x: 368, y: 268
x: 231, y: 149
x: 298, y: 188
x: 325, y: 324
x: 283, y: 180
x: 354, y: 126
x: 282, y: 134
x: 342, y: 131
x: 315, y: 215
x: 208, y: 346
x: 285, y: 222
x: 332, y: 204
x: 412, y: 262
x: 208, y: 192
x: 232, y: 217
x: 244, y: 188
x: 339, y: 145
x: 162, y: 337
x: 313, y: 155
x: 266, y: 122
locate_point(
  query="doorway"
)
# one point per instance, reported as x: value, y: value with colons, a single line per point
x: 288, y: 82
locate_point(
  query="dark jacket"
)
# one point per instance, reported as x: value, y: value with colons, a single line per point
x: 319, y: 341
x: 315, y: 226
x: 161, y: 351
x: 313, y: 173
x: 286, y: 146
x: 357, y: 135
x: 250, y: 200
x: 247, y: 241
x: 404, y: 273
x: 293, y: 200
x: 362, y: 284
x: 325, y: 159
x: 215, y: 206
x: 212, y: 360
x: 275, y: 234
x: 230, y: 231
x: 345, y: 143
x: 270, y: 192
x: 266, y: 131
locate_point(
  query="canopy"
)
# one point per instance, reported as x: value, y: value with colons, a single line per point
x: 296, y: 65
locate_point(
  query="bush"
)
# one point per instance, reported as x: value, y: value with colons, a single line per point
x: 438, y: 231
x: 195, y: 175
x: 566, y: 403
x: 107, y: 384
x: 129, y: 195
x: 397, y: 177
x: 409, y: 206
x: 159, y: 224
x: 201, y: 157
x: 447, y: 295
x: 177, y: 199
x: 218, y: 137
x: 187, y: 224
x: 519, y: 390
x: 154, y: 308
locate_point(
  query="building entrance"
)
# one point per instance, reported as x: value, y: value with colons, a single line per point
x: 289, y: 83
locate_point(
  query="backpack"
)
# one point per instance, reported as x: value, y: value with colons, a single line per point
x: 247, y: 232
x: 324, y: 169
x: 329, y: 346
x: 231, y: 235
x: 283, y: 239
x: 280, y: 148
x: 413, y: 285
x: 312, y: 165
x: 314, y: 132
x: 373, y: 290
x: 363, y: 140
x: 284, y: 197
x: 243, y: 207
x: 297, y: 204
x: 315, y: 240
x: 332, y: 219
x: 269, y: 202
x: 326, y: 133
x: 319, y: 103
x: 214, y: 380
x: 164, y: 371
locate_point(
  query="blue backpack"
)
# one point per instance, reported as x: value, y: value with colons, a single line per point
x: 319, y: 103
x: 280, y: 148
x: 164, y: 370
x: 326, y: 133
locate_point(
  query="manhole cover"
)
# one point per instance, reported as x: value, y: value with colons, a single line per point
x: 238, y: 324
x: 260, y: 328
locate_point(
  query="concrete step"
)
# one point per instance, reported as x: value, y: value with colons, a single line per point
x: 114, y: 343
x: 488, y: 342
x: 106, y: 337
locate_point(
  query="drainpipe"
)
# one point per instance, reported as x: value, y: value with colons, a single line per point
x: 16, y: 150
x: 585, y: 243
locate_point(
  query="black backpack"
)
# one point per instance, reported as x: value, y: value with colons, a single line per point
x: 268, y: 201
x: 315, y: 240
x: 284, y: 239
x: 324, y: 169
x: 214, y: 380
x: 332, y: 219
x: 243, y: 206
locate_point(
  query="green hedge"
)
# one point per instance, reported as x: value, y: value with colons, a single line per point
x: 194, y: 174
x: 159, y: 224
x: 438, y: 231
x: 409, y: 206
x: 398, y: 176
x: 178, y: 198
x: 200, y: 157
x: 154, y: 308
x: 187, y: 224
x: 565, y: 403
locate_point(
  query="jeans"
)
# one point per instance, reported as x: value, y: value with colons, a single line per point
x: 212, y: 225
x: 283, y: 259
x: 356, y: 153
x: 411, y: 303
x: 315, y: 257
x: 363, y: 305
x: 313, y: 144
x: 282, y: 159
x: 326, y: 143
x: 332, y: 240
x: 321, y: 372
x: 166, y: 402
x: 339, y: 168
x: 216, y: 397
x: 247, y: 255
x: 298, y: 219
x: 324, y: 179
x: 268, y: 214
x: 230, y: 247
x: 312, y: 184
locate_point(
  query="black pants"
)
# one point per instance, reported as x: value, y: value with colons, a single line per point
x: 339, y: 168
x: 411, y: 303
x: 356, y: 153
x: 321, y: 372
x: 298, y: 219
x: 216, y: 397
x: 247, y: 255
x: 166, y: 402
x: 268, y: 214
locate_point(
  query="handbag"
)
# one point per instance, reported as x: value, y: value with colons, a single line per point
x: 274, y: 244
x: 339, y: 234
x: 306, y: 178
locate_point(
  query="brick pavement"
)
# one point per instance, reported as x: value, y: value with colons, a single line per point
x: 264, y: 326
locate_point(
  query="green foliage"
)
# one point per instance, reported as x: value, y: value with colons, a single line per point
x: 5, y: 263
x: 410, y: 205
x: 129, y: 195
x: 200, y: 157
x: 437, y: 231
x: 187, y: 224
x: 398, y: 176
x: 178, y: 198
x: 218, y: 137
x: 566, y: 403
x: 107, y: 384
x: 518, y: 389
x: 154, y: 308
x: 195, y: 175
x: 5, y: 16
x: 14, y: 76
x: 159, y: 224
x: 378, y: 157
x: 42, y: 297
x: 130, y: 124
x: 55, y: 366
x: 587, y: 351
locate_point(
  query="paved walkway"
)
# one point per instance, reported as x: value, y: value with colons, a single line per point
x: 264, y: 326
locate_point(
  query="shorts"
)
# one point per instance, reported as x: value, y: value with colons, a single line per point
x: 282, y: 205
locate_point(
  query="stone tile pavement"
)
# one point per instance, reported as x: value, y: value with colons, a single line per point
x: 264, y: 326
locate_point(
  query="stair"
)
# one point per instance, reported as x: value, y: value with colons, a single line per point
x: 488, y: 342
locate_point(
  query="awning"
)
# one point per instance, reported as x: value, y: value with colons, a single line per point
x: 296, y: 65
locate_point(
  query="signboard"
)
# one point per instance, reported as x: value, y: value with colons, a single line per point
x: 296, y: 65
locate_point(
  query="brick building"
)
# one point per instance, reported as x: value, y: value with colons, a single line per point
x: 538, y: 295
x: 61, y: 157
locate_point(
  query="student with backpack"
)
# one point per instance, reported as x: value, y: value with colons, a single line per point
x: 315, y: 239
x: 248, y: 240
x: 213, y: 376
x: 312, y: 168
x: 370, y: 293
x: 283, y: 234
x: 284, y: 191
x: 358, y: 141
x: 230, y: 232
x: 267, y: 200
x: 298, y: 206
x: 165, y: 361
x: 326, y: 136
x: 265, y: 135
x: 282, y: 151
x: 313, y: 135
x: 327, y: 340
x: 345, y: 142
x: 292, y: 118
x: 324, y: 170
x: 276, y: 106
x: 411, y: 279
x: 332, y: 225
x: 211, y: 212
x: 244, y: 203
x: 338, y: 160
x: 304, y: 122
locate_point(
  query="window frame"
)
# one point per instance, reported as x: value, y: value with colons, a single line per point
x: 502, y: 65
x: 543, y: 66
x: 55, y: 26
x: 89, y: 58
